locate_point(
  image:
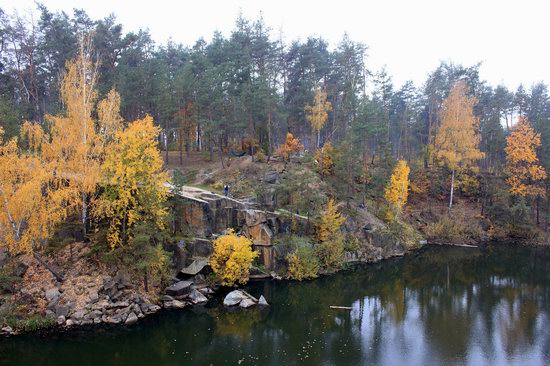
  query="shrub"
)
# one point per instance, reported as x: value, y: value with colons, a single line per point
x: 456, y: 227
x: 217, y: 185
x: 260, y: 156
x: 232, y: 259
x: 331, y: 252
x: 303, y: 264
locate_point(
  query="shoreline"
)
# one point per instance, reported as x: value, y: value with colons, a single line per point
x: 160, y: 307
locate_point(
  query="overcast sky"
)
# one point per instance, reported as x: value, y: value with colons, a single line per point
x: 410, y: 37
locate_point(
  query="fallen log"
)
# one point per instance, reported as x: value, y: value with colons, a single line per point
x: 50, y: 268
x: 341, y: 307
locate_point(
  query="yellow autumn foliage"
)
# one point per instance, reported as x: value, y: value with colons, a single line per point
x: 317, y: 114
x: 525, y: 174
x: 134, y: 182
x: 457, y: 140
x: 324, y: 158
x: 330, y: 222
x: 30, y: 204
x: 232, y: 258
x: 397, y: 190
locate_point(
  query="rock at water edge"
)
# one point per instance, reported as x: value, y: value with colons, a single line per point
x: 263, y: 301
x: 131, y: 319
x: 234, y: 298
x: 197, y: 297
x: 179, y: 288
x: 246, y: 303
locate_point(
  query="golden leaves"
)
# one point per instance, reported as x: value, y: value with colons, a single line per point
x: 29, y: 202
x: 397, y: 190
x: 324, y: 158
x: 134, y: 181
x: 330, y: 222
x: 232, y: 258
x: 522, y: 164
x: 457, y: 141
x: 317, y: 114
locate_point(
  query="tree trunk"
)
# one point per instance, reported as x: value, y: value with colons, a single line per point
x: 452, y: 189
x: 318, y: 138
x: 538, y: 211
x: 221, y: 152
x: 146, y: 281
x: 54, y: 272
x: 84, y: 213
x: 180, y: 139
x: 166, y: 145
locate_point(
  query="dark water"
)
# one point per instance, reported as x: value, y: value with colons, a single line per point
x: 443, y: 306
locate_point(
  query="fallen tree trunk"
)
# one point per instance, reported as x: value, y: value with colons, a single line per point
x: 50, y: 268
x: 341, y: 307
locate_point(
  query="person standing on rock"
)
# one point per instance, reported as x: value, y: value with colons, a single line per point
x: 226, y: 190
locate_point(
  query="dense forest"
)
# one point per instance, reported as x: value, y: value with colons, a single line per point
x: 251, y: 88
x: 112, y: 144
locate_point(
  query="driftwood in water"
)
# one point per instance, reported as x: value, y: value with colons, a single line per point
x: 340, y: 307
x: 453, y: 245
x: 48, y: 267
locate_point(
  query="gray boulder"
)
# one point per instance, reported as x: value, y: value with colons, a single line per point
x: 61, y: 320
x: 78, y: 315
x: 7, y: 331
x: 246, y: 303
x: 52, y: 294
x: 262, y: 301
x: 271, y: 177
x: 131, y: 319
x: 179, y: 288
x: 195, y: 267
x: 197, y: 297
x: 234, y: 298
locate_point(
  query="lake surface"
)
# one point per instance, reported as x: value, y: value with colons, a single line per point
x: 440, y: 306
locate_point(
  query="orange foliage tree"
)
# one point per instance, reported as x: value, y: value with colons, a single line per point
x: 292, y: 145
x: 525, y: 174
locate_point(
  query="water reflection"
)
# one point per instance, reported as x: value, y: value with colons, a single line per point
x: 443, y: 306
